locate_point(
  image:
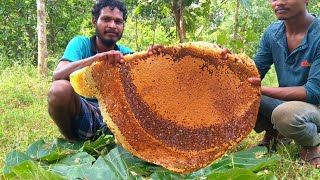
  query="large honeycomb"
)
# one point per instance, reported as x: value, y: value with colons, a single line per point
x: 181, y: 109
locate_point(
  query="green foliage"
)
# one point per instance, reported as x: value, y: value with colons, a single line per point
x: 117, y: 163
x: 271, y: 78
x: 23, y: 108
x: 206, y: 20
x: 65, y: 19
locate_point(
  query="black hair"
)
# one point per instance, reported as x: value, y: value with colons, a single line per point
x: 100, y: 4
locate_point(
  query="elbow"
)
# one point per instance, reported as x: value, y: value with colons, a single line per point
x: 312, y: 95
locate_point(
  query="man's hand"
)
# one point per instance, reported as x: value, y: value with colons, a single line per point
x: 255, y: 81
x: 156, y: 49
x: 225, y: 53
x: 112, y: 57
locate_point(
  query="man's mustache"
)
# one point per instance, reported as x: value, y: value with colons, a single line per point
x: 281, y: 8
x: 114, y: 32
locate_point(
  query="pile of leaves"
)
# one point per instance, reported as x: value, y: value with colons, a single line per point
x: 103, y: 159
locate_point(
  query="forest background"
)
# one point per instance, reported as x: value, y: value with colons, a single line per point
x: 236, y: 24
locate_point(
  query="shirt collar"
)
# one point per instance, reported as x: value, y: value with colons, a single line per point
x: 282, y: 39
x: 94, y: 45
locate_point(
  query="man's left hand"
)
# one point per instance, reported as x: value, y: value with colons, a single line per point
x: 255, y: 81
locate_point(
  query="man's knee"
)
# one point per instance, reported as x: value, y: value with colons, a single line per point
x: 60, y: 93
x: 286, y: 118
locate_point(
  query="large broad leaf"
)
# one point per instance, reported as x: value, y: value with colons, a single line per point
x: 232, y: 174
x: 73, y: 165
x: 118, y: 164
x: 14, y: 158
x: 240, y: 174
x: 51, y: 151
x: 102, y: 145
x: 244, y: 162
x: 31, y: 170
x: 254, y: 160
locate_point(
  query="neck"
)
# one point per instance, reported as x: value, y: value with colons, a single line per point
x: 101, y: 47
x: 299, y: 23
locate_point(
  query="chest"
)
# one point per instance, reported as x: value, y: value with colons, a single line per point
x: 293, y: 41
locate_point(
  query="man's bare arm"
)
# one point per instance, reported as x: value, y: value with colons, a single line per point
x: 297, y: 93
x: 65, y: 68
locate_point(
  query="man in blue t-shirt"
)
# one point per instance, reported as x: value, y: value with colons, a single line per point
x: 292, y: 109
x: 76, y: 117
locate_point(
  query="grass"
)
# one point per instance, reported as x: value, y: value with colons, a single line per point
x: 24, y: 120
x: 23, y: 109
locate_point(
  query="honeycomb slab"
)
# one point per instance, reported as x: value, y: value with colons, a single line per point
x: 181, y: 109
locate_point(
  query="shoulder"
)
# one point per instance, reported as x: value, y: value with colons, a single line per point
x: 275, y: 27
x: 274, y: 31
x: 124, y: 49
x: 313, y: 32
x: 317, y: 23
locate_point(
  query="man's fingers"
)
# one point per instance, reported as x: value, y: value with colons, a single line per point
x: 225, y: 53
x: 156, y: 49
x: 121, y: 58
x: 111, y: 57
x: 150, y: 49
x: 255, y: 81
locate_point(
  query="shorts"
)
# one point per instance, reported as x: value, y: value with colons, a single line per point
x: 89, y: 121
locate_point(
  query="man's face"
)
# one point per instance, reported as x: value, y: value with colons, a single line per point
x: 287, y: 9
x: 109, y: 26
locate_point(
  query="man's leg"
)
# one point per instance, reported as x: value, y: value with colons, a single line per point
x: 267, y: 105
x: 300, y: 121
x: 64, y: 106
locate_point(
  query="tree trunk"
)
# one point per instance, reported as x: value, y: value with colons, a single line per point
x: 42, y: 40
x: 236, y: 18
x: 178, y: 8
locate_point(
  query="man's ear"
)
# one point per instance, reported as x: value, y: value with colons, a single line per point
x: 94, y: 21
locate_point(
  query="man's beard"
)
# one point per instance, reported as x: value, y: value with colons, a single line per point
x: 107, y: 42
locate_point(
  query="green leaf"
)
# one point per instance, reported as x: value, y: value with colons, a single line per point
x: 13, y: 159
x: 80, y: 171
x: 76, y: 159
x: 73, y: 165
x: 254, y: 160
x: 234, y: 174
x: 50, y: 151
x: 117, y: 162
x: 166, y: 175
x: 99, y: 146
x: 30, y: 170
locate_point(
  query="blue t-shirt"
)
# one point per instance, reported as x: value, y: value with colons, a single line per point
x: 82, y: 47
x: 301, y: 67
